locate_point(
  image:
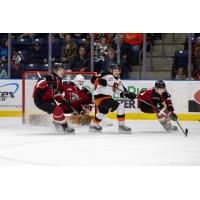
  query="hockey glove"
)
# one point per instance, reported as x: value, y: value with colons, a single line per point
x: 52, y: 85
x: 170, y: 108
x: 51, y: 82
x: 173, y: 116
x: 102, y: 82
x: 129, y: 95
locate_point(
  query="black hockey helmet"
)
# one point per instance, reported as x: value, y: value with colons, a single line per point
x: 160, y: 84
x: 115, y: 66
x: 56, y: 67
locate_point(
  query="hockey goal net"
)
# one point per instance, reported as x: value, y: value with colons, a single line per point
x: 29, y: 80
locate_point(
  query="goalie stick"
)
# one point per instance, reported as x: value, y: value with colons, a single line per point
x: 185, y: 132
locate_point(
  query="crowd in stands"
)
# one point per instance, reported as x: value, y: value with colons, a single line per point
x: 180, y: 65
x: 29, y: 51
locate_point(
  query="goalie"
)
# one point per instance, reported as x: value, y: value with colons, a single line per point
x: 158, y: 100
x: 80, y: 98
x: 106, y: 85
x: 47, y: 97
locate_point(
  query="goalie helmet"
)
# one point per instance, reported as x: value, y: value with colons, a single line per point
x: 79, y: 81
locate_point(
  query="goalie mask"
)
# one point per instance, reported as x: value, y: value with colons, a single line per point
x: 79, y: 81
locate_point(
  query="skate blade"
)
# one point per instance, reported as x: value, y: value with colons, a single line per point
x: 93, y: 130
x: 69, y: 133
x: 124, y: 132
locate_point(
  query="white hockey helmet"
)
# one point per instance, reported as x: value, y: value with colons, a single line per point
x: 79, y: 81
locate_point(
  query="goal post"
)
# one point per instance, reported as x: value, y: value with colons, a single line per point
x: 29, y: 80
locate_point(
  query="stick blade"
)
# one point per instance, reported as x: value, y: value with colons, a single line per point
x: 186, y: 132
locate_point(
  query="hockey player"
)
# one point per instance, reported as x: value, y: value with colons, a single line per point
x: 47, y: 97
x: 106, y: 85
x: 79, y: 96
x: 158, y: 100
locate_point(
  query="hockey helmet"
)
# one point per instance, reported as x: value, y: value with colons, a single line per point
x: 56, y: 67
x: 160, y: 84
x: 79, y: 81
x: 115, y: 66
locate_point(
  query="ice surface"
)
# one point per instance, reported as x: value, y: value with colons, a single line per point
x: 149, y: 144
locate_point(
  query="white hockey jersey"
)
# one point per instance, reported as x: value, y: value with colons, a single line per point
x: 113, y: 86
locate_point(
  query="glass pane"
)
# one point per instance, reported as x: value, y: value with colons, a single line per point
x: 131, y: 45
x: 72, y: 49
x: 168, y: 57
x: 29, y: 53
x: 195, y: 67
x: 3, y: 55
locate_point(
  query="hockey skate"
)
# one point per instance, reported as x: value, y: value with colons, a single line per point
x: 94, y: 127
x: 169, y: 127
x: 57, y: 126
x: 63, y: 128
x: 67, y: 129
x: 106, y: 122
x: 124, y: 129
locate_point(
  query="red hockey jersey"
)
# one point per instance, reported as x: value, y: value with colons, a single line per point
x: 155, y: 99
x: 77, y: 97
x: 43, y: 92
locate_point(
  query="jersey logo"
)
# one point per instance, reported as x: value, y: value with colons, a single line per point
x: 115, y: 86
x: 74, y: 97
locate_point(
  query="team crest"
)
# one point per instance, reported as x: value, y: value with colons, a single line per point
x: 74, y: 97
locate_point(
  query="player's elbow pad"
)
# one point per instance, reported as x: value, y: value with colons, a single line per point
x: 93, y: 79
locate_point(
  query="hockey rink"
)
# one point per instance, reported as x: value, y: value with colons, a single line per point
x: 149, y: 144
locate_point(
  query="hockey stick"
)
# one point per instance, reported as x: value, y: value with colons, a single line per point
x: 185, y: 132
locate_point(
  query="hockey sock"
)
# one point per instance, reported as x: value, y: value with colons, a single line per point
x: 121, y: 119
x: 58, y: 115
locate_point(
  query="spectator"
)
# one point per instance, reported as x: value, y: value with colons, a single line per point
x: 136, y: 41
x: 4, y: 51
x: 81, y: 62
x: 68, y: 50
x: 17, y: 57
x: 100, y: 52
x: 27, y: 35
x: 3, y: 73
x: 197, y: 44
x: 79, y: 39
x: 181, y: 74
x: 36, y: 54
x: 110, y: 59
x: 125, y: 57
x: 16, y: 71
x: 196, y: 75
x: 196, y: 59
x: 56, y: 47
